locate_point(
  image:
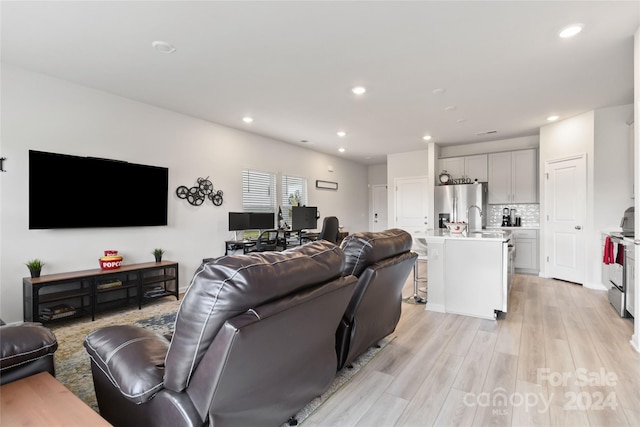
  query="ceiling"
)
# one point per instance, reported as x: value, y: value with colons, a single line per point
x: 291, y: 65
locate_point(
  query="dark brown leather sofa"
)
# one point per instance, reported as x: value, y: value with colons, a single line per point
x: 382, y: 262
x: 254, y: 342
x: 26, y: 349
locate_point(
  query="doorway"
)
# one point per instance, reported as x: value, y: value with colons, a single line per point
x: 379, y: 208
x: 566, y: 207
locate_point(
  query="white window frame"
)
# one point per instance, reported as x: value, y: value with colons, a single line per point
x: 258, y: 191
x: 289, y: 184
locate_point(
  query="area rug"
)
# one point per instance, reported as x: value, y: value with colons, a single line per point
x: 73, y: 368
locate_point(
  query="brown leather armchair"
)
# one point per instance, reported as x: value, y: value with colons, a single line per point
x: 26, y: 349
x: 382, y: 262
x: 254, y: 342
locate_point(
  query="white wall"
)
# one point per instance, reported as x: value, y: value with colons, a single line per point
x: 42, y: 113
x: 377, y: 174
x: 603, y: 136
x: 635, y: 340
x: 613, y: 173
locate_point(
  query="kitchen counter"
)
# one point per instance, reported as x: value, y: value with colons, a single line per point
x: 469, y: 273
x: 486, y: 235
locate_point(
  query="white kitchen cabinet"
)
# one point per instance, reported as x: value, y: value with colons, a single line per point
x: 473, y: 167
x: 513, y: 177
x: 526, y: 244
x: 453, y: 165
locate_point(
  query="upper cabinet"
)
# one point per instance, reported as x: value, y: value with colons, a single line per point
x: 453, y: 165
x: 472, y: 167
x: 475, y: 167
x: 513, y: 177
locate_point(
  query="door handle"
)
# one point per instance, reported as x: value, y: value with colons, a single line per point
x: 578, y: 227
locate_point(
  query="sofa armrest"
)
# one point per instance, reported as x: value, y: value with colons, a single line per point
x: 132, y: 358
x: 23, y: 343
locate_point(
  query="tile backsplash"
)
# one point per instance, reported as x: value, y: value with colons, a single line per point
x: 530, y: 214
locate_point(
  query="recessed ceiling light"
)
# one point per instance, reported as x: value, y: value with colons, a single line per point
x: 427, y: 137
x: 247, y: 119
x: 358, y: 90
x: 570, y: 31
x: 553, y: 118
x: 439, y: 91
x: 461, y: 120
x: 342, y: 133
x: 450, y: 108
x: 341, y: 149
x: 367, y: 157
x: 163, y: 47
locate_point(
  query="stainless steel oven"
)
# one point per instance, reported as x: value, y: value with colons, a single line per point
x: 617, y: 258
x: 617, y: 276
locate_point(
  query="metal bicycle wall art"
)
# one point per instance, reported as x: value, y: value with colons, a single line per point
x: 197, y: 194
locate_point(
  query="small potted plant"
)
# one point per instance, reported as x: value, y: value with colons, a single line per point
x: 34, y: 266
x: 157, y: 252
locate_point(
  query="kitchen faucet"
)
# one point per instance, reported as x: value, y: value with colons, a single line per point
x: 468, y: 209
x: 473, y: 206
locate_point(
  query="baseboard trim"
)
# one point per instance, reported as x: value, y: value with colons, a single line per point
x: 435, y: 307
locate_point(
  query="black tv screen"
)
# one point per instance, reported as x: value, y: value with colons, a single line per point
x: 238, y: 221
x: 304, y: 217
x: 81, y: 192
x: 261, y: 220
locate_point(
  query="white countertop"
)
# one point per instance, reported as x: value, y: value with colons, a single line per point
x: 523, y: 227
x: 484, y: 235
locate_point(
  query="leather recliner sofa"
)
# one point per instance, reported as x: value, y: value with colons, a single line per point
x: 254, y: 342
x: 26, y: 349
x: 382, y: 262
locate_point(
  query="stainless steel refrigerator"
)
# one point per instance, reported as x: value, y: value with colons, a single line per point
x: 462, y: 202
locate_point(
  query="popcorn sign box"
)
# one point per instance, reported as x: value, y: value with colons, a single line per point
x: 110, y: 262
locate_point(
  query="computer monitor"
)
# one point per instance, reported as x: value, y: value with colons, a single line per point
x: 261, y: 220
x: 238, y: 221
x: 304, y: 218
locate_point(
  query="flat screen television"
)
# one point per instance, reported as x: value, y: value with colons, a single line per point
x: 238, y: 221
x: 85, y: 192
x: 304, y: 218
x: 261, y: 220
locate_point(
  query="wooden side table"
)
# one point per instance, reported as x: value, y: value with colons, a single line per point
x: 41, y: 400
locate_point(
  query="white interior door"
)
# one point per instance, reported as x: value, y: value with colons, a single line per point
x: 380, y: 207
x: 412, y: 203
x: 566, y: 206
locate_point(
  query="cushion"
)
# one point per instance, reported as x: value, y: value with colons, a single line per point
x: 24, y: 342
x: 366, y: 248
x: 231, y: 285
x: 131, y: 357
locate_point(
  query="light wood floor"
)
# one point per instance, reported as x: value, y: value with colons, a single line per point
x: 560, y: 357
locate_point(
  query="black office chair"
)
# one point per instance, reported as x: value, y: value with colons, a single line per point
x: 330, y: 230
x: 267, y: 241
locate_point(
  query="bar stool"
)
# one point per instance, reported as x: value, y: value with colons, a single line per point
x: 420, y: 247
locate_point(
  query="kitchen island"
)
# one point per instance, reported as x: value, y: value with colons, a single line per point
x: 469, y: 273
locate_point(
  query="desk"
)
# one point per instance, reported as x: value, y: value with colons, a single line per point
x: 41, y: 400
x: 232, y: 245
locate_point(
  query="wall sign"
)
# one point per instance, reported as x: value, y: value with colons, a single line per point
x: 327, y: 185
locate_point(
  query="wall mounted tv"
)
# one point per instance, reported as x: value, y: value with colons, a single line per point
x: 85, y: 192
x: 304, y: 218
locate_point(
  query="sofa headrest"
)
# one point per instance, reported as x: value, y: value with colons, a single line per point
x: 231, y: 285
x: 366, y: 248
